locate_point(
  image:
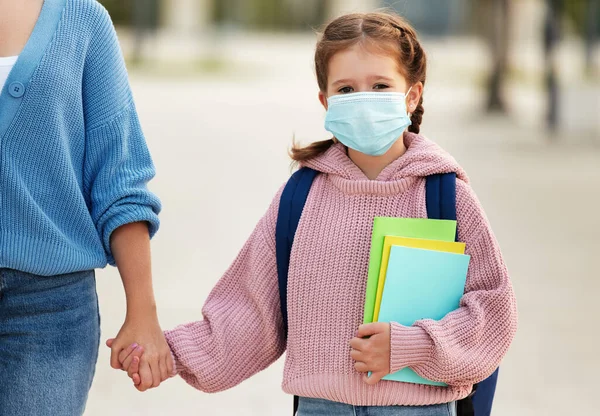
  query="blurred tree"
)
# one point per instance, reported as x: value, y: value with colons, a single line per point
x: 142, y: 14
x: 145, y: 20
x: 493, y: 22
x: 585, y: 16
x: 120, y: 10
x: 552, y: 34
x: 592, y: 33
x: 271, y: 14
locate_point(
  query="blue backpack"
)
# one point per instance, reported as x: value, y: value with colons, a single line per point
x: 441, y: 204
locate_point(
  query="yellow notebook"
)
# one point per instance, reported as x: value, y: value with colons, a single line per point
x: 450, y: 247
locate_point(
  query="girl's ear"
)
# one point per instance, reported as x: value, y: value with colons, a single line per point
x: 414, y: 96
x: 323, y: 99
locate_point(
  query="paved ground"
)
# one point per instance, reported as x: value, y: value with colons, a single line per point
x: 220, y: 142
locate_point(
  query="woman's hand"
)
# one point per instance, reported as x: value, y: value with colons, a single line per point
x: 143, y: 339
x: 372, y: 354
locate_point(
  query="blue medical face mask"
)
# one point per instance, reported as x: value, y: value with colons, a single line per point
x: 368, y: 122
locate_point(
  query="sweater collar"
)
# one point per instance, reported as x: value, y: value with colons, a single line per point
x: 422, y: 158
x: 15, y: 89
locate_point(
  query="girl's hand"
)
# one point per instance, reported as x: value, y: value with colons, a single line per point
x: 372, y: 354
x: 130, y: 361
x: 133, y: 372
x: 156, y: 364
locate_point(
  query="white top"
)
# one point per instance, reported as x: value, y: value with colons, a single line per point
x: 6, y: 65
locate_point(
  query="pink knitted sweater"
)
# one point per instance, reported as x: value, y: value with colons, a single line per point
x: 241, y: 333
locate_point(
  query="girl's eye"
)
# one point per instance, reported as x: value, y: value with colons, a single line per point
x: 380, y: 87
x: 346, y: 90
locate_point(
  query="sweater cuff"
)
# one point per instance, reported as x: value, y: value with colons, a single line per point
x: 178, y: 367
x: 410, y: 346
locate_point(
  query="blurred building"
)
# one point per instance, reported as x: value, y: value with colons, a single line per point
x: 186, y: 15
x: 429, y: 16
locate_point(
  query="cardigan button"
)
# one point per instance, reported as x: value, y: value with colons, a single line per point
x: 16, y: 89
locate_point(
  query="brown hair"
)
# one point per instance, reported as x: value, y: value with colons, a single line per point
x: 385, y: 30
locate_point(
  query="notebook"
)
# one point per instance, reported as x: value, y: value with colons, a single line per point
x: 458, y: 248
x: 421, y: 284
x: 443, y: 230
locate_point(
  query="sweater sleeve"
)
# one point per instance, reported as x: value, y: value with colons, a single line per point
x: 118, y: 165
x: 242, y: 330
x: 467, y: 345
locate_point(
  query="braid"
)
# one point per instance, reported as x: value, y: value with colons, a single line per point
x: 417, y: 118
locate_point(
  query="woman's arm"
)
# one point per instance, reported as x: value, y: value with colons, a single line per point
x: 117, y: 169
x: 131, y: 249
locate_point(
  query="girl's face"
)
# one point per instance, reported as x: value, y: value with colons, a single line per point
x: 362, y: 69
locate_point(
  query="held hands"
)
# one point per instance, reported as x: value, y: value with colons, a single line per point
x: 149, y: 355
x: 372, y: 354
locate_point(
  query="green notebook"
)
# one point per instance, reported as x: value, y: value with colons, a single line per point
x: 427, y: 229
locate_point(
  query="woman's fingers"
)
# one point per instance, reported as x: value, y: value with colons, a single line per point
x: 164, y: 372
x: 171, y: 365
x: 155, y: 369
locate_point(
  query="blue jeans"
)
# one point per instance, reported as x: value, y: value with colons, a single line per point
x: 320, y: 407
x: 49, y: 339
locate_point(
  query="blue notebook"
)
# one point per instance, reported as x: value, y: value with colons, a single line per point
x: 421, y: 284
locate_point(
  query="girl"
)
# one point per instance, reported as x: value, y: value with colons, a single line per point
x: 73, y: 198
x: 371, y: 70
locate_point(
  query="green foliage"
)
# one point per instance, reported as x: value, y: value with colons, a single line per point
x: 578, y: 12
x: 120, y: 10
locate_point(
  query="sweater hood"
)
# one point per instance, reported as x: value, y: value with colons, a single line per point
x: 422, y: 158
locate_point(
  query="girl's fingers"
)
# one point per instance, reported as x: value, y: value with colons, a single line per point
x: 361, y: 367
x: 358, y: 344
x: 136, y: 380
x: 134, y: 369
x: 145, y: 375
x: 374, y: 379
x: 137, y: 352
x: 126, y: 352
x: 356, y: 355
x: 371, y: 329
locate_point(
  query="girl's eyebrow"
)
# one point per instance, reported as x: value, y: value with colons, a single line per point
x: 342, y: 81
x: 381, y: 77
x: 372, y: 78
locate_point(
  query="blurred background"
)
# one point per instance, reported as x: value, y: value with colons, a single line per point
x: 513, y: 92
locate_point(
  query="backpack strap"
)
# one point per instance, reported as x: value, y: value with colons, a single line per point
x: 441, y: 204
x: 291, y: 206
x: 441, y: 196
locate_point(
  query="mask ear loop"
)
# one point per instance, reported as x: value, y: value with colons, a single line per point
x: 406, y: 96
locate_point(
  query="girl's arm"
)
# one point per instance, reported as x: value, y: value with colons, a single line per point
x: 242, y: 330
x: 467, y: 345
